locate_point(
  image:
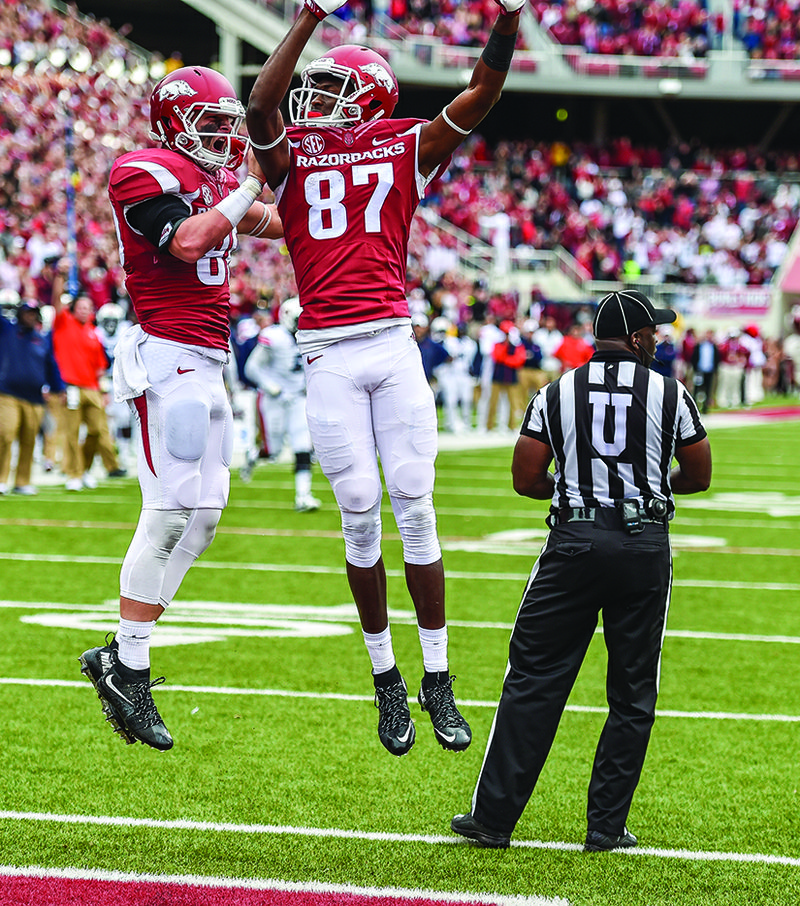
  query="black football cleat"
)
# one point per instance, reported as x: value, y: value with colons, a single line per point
x: 597, y: 842
x: 469, y: 827
x: 395, y: 727
x: 436, y: 697
x: 96, y: 661
x: 127, y: 703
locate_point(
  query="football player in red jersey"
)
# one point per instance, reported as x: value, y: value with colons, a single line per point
x: 347, y: 180
x: 177, y: 210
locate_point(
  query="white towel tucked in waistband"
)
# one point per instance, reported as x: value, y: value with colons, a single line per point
x: 130, y: 374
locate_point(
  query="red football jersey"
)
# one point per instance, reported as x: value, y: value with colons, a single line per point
x: 173, y: 299
x: 346, y: 206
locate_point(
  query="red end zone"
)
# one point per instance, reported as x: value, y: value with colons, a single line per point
x: 41, y: 887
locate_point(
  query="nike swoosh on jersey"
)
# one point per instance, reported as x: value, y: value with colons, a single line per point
x: 310, y: 361
x: 109, y: 682
x: 185, y: 370
x: 383, y: 141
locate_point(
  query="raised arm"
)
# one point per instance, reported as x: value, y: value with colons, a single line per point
x: 440, y: 137
x: 264, y: 121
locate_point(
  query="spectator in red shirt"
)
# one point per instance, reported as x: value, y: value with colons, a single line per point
x: 574, y: 350
x: 82, y: 362
x: 509, y: 356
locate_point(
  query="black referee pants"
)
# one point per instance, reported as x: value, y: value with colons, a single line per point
x: 583, y: 569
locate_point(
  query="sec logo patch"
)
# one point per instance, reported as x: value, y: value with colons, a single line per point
x: 313, y: 143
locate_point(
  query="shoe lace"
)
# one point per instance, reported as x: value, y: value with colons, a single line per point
x: 145, y: 707
x: 392, y: 703
x: 441, y: 705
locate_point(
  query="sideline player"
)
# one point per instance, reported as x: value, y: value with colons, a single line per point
x: 274, y: 366
x: 347, y: 180
x: 177, y: 210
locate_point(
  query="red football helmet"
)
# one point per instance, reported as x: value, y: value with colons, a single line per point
x: 368, y: 90
x: 180, y: 101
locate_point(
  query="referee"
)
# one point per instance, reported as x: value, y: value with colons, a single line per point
x: 612, y: 428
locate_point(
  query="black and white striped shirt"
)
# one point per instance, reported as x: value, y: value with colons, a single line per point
x: 613, y: 426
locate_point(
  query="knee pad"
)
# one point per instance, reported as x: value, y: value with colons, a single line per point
x: 197, y: 536
x: 199, y: 532
x: 145, y: 563
x: 416, y: 522
x: 362, y: 536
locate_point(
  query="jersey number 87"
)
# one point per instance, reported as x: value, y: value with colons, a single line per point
x: 327, y: 215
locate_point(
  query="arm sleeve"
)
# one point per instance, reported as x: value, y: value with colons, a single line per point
x: 158, y: 218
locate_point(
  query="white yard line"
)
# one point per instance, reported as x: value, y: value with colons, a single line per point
x: 378, y: 836
x: 394, y: 573
x: 342, y: 697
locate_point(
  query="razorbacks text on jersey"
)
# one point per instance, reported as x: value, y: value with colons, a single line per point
x: 346, y: 205
x: 173, y: 299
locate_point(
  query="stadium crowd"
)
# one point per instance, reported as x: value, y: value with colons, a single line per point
x: 676, y: 29
x: 661, y: 28
x: 687, y: 214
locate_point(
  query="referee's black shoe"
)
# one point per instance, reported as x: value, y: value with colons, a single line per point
x: 469, y: 827
x: 597, y: 842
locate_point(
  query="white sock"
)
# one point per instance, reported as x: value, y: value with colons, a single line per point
x: 302, y: 483
x: 379, y: 648
x: 434, y: 648
x: 134, y: 643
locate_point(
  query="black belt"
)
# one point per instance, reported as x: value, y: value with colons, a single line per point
x: 603, y: 517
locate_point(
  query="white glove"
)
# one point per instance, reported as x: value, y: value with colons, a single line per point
x: 322, y: 8
x: 510, y: 6
x: 271, y: 388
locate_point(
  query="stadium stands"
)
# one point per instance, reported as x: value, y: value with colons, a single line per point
x: 685, y: 214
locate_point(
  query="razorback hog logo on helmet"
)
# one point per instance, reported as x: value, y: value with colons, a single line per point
x: 378, y: 73
x: 178, y: 88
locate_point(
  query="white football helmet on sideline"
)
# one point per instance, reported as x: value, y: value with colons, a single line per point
x: 289, y: 314
x: 109, y: 316
x: 439, y: 328
x: 9, y: 300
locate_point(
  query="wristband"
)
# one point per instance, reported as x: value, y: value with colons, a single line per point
x: 238, y: 203
x: 452, y: 125
x: 262, y: 224
x: 498, y: 51
x: 271, y: 145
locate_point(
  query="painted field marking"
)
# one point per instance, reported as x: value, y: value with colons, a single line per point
x: 226, y: 618
x: 344, y: 697
x: 259, y: 884
x: 715, y: 518
x: 383, y: 837
x: 393, y: 573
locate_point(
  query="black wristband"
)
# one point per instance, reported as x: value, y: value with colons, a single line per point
x: 498, y: 51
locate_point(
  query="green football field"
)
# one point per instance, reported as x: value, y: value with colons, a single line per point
x: 277, y: 771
